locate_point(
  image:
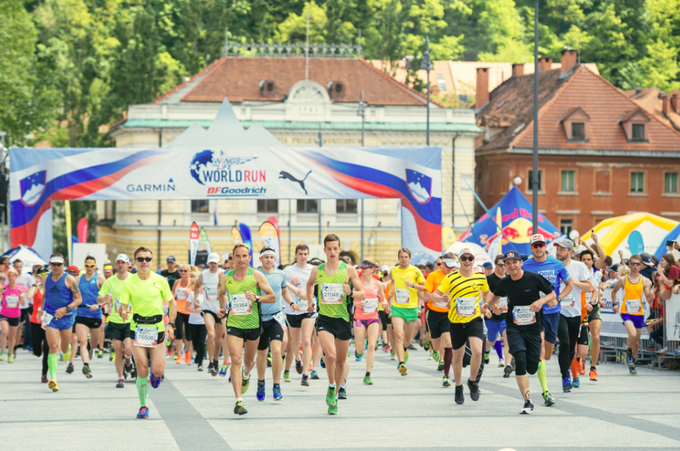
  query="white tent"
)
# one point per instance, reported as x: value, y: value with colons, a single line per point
x: 481, y: 256
x: 28, y: 256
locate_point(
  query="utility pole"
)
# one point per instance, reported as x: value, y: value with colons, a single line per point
x: 534, y: 182
x: 307, y: 50
x: 318, y: 205
x: 362, y: 113
x: 427, y: 66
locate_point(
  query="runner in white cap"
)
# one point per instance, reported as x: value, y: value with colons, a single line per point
x: 212, y: 279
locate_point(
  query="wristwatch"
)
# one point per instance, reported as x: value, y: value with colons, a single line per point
x: 559, y: 299
x: 257, y: 299
x: 171, y: 325
x: 68, y: 308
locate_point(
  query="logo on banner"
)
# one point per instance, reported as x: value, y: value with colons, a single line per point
x: 287, y: 176
x: 32, y: 188
x: 209, y: 167
x: 419, y: 185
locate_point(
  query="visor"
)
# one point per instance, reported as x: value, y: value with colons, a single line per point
x: 449, y: 262
x: 57, y: 259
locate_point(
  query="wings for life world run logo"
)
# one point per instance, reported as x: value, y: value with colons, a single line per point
x: 223, y: 177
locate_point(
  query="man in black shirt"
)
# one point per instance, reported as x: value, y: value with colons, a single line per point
x: 172, y: 273
x: 524, y: 319
x: 496, y: 324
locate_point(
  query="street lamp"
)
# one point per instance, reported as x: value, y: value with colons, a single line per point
x: 534, y: 181
x: 427, y: 66
x: 362, y: 113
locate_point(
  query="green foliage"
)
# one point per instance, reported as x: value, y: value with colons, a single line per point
x: 79, y: 209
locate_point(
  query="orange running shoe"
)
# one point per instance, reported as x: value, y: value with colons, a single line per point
x: 187, y: 358
x: 593, y: 375
x: 583, y: 367
x: 178, y: 360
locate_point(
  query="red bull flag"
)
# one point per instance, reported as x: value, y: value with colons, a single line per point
x: 516, y: 223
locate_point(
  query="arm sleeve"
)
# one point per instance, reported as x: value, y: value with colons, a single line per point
x: 284, y: 282
x: 564, y: 274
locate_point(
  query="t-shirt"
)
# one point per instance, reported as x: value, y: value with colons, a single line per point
x: 464, y: 293
x: 11, y: 301
x: 492, y: 280
x: 211, y: 281
x: 406, y: 297
x: 114, y: 286
x: 181, y: 296
x: 647, y: 272
x: 26, y: 281
x: 431, y: 285
x: 277, y: 280
x: 171, y: 276
x: 553, y: 270
x: 571, y: 304
x: 37, y: 307
x: 673, y: 275
x: 146, y: 297
x: 302, y: 274
x: 195, y: 318
x: 521, y: 294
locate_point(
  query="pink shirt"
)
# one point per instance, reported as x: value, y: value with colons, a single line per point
x: 11, y: 302
x: 373, y: 298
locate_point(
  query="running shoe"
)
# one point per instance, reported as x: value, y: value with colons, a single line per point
x: 43, y: 379
x: 304, y: 381
x: 393, y: 356
x: 459, y: 398
x: 277, y: 393
x: 87, y: 371
x: 566, y: 385
x: 245, y: 383
x: 632, y: 369
x: 100, y: 354
x: 342, y: 393
x: 330, y: 397
x: 333, y: 410
x: 69, y: 368
x: 412, y: 347
x: 52, y: 385
x: 386, y: 347
x: 154, y: 380
x: 223, y: 371
x: 405, y: 355
x: 582, y: 370
x: 211, y: 368
x: 367, y: 380
x: 426, y: 344
x: 2, y: 356
x: 358, y: 356
x: 298, y: 366
x: 446, y: 382
x: 128, y: 365
x: 178, y: 359
x: 10, y: 358
x: 143, y: 413
x: 549, y: 400
x: 402, y: 369
x: 629, y: 360
x: 528, y: 407
x: 576, y: 383
x: 435, y: 355
x: 261, y: 395
x: 286, y: 376
x: 486, y: 358
x: 322, y: 363
x: 593, y: 375
x: 199, y: 368
x: 66, y: 357
x: 507, y: 371
x: 121, y: 383
x: 240, y: 408
x: 314, y: 375
x: 187, y: 358
x: 440, y: 365
x: 112, y: 357
x: 474, y: 390
x: 501, y: 363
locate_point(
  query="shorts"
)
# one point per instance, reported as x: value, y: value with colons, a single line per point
x: 551, y: 322
x: 13, y: 322
x: 120, y: 331
x: 214, y: 315
x: 583, y: 336
x: 295, y: 321
x: 637, y: 320
x: 525, y: 341
x: 594, y: 314
x: 64, y: 323
x: 495, y: 329
x: 461, y: 332
x: 407, y: 314
x: 25, y: 314
x: 245, y: 334
x: 92, y: 323
x: 365, y: 322
x: 182, y: 331
x: 437, y: 323
x: 337, y: 327
x: 384, y: 319
x: 271, y: 330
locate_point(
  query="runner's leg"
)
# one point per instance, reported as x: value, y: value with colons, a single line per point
x: 306, y: 343
x: 373, y: 332
x: 236, y: 353
x: 595, y: 341
x: 398, y: 325
x: 331, y: 355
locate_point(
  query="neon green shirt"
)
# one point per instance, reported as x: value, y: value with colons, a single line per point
x: 114, y: 286
x: 146, y: 296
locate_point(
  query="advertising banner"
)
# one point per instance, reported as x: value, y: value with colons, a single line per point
x: 206, y: 241
x: 194, y: 236
x: 270, y: 236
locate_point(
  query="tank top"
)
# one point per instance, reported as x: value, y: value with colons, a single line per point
x: 57, y: 295
x: 210, y: 282
x: 37, y: 303
x: 182, y: 294
x: 11, y: 302
x: 370, y: 311
x: 332, y: 298
x: 244, y: 314
x: 89, y: 291
x: 632, y: 298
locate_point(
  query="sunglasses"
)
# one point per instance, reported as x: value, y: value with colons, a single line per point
x: 90, y: 266
x: 439, y: 264
x: 467, y: 259
x: 538, y: 245
x: 144, y: 259
x: 500, y: 266
x: 634, y: 264
x: 56, y: 264
x: 183, y: 270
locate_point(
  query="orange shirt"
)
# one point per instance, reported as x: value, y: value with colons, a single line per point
x: 181, y: 295
x: 431, y: 285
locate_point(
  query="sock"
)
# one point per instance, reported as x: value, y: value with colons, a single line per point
x: 401, y: 363
x: 542, y: 377
x: 592, y: 368
x: 499, y: 349
x: 630, y: 351
x: 239, y: 399
x: 448, y: 358
x: 575, y: 366
x: 142, y: 389
x: 276, y: 385
x: 368, y: 374
x: 331, y: 385
x: 313, y: 368
x: 52, y: 365
x: 86, y: 364
x: 343, y: 386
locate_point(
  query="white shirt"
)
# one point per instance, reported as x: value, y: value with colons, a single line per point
x: 210, y: 281
x: 302, y: 274
x: 595, y: 279
x: 26, y: 281
x: 571, y: 304
x: 195, y: 318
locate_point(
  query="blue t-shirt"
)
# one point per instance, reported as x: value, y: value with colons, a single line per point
x: 277, y: 280
x: 553, y: 270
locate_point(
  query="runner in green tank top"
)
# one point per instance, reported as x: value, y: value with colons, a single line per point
x: 333, y: 324
x: 242, y: 294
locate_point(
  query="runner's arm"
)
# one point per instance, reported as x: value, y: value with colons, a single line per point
x: 269, y: 297
x: 617, y: 287
x: 285, y: 293
x: 358, y: 293
x: 72, y: 285
x: 584, y: 285
x: 440, y: 297
x: 174, y: 288
x: 601, y: 254
x: 310, y: 290
x: 302, y: 294
x: 568, y: 288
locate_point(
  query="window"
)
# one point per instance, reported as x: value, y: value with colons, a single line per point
x: 602, y: 182
x: 530, y: 180
x: 638, y: 132
x: 568, y: 181
x: 671, y: 183
x: 566, y: 226
x: 441, y: 82
x: 346, y: 206
x: 578, y: 130
x: 267, y: 206
x: 637, y: 182
x: 199, y: 206
x: 307, y: 206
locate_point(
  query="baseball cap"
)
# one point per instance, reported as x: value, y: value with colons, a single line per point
x: 72, y: 268
x: 214, y: 257
x: 646, y: 259
x: 563, y: 241
x: 171, y: 259
x: 384, y: 268
x: 123, y: 258
x: 512, y: 255
x: 43, y: 270
x: 487, y: 265
x: 478, y: 269
x: 466, y: 250
x: 538, y: 238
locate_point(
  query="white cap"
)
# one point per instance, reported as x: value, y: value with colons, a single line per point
x: 214, y: 257
x: 57, y: 259
x: 466, y: 250
x: 123, y: 258
x: 384, y: 268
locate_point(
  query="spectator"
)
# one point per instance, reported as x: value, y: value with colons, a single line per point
x: 488, y: 268
x: 669, y: 276
x: 172, y: 273
x: 647, y: 265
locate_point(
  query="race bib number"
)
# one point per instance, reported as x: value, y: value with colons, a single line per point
x: 166, y: 309
x: 116, y: 304
x: 12, y: 301
x: 281, y: 319
x: 503, y: 302
x: 523, y: 316
x: 569, y: 301
x: 146, y: 336
x: 302, y: 303
x: 371, y: 305
x: 633, y: 305
x: 211, y: 293
x: 240, y: 305
x: 331, y: 293
x: 466, y: 306
x: 402, y: 295
x: 46, y: 319
x: 181, y: 294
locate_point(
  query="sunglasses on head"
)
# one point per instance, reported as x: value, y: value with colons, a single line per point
x: 144, y: 259
x: 467, y: 259
x: 538, y: 245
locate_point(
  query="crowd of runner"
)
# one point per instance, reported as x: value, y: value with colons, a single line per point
x: 308, y: 313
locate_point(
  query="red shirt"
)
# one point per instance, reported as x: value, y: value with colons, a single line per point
x: 37, y: 304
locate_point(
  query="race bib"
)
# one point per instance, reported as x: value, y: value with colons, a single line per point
x: 302, y: 303
x: 12, y: 301
x: 569, y: 301
x: 466, y: 306
x: 403, y: 295
x: 523, y: 316
x: 166, y: 309
x: 589, y: 296
x: 146, y: 336
x: 281, y: 319
x: 181, y: 294
x: 331, y: 293
x: 633, y: 306
x: 211, y: 293
x: 46, y: 319
x: 240, y: 305
x: 116, y: 304
x: 371, y: 306
x: 503, y: 302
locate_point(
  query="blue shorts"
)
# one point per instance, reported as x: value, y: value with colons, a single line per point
x: 551, y: 322
x: 495, y: 328
x: 637, y: 320
x: 64, y: 323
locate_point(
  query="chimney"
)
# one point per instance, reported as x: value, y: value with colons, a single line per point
x: 482, y: 87
x: 545, y: 63
x: 568, y: 59
x: 676, y: 100
x: 666, y: 102
x: 517, y: 70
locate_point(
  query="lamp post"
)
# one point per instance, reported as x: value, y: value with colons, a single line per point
x: 362, y: 113
x: 427, y: 66
x: 534, y: 181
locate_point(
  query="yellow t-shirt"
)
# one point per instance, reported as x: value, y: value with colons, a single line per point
x: 146, y: 296
x: 464, y: 295
x: 406, y: 297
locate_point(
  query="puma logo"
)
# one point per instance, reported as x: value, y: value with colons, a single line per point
x: 286, y: 175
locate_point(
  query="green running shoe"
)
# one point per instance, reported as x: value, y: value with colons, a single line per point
x: 100, y: 354
x: 393, y: 356
x: 549, y: 400
x: 112, y: 357
x: 67, y: 356
x: 2, y: 356
x: 446, y: 382
x: 486, y: 358
x: 440, y: 365
x: 330, y: 399
x: 10, y: 358
x: 240, y: 408
x: 286, y: 376
x: 246, y: 382
x: 333, y: 410
x: 367, y: 380
x: 435, y: 355
x: 405, y: 355
x: 426, y: 344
